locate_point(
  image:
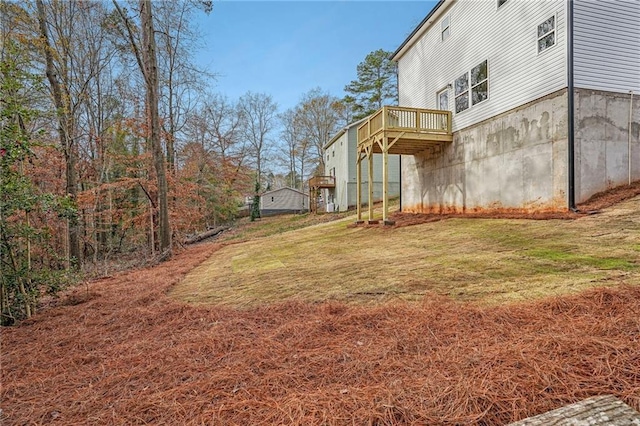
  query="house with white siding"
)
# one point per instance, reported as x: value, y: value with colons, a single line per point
x: 543, y: 103
x: 340, y: 163
x: 283, y: 201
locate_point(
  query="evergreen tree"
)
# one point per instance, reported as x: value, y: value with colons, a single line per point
x: 255, y: 205
x: 375, y: 87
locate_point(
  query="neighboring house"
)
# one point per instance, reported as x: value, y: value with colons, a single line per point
x: 504, y: 68
x: 340, y: 162
x: 283, y: 201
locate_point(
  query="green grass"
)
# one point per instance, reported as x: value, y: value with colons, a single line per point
x: 274, y: 225
x: 484, y: 260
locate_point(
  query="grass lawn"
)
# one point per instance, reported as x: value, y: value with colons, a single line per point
x: 484, y: 260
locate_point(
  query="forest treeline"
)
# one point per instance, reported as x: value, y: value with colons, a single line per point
x: 113, y: 144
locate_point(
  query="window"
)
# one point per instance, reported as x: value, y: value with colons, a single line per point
x: 501, y: 2
x: 462, y: 92
x: 547, y: 34
x: 443, y: 99
x: 444, y: 28
x: 471, y: 88
x: 479, y: 83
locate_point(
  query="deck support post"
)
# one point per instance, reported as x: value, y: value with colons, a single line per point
x: 370, y: 175
x: 385, y: 179
x: 359, y: 187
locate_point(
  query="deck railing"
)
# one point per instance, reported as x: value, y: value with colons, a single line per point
x: 322, y: 181
x: 405, y: 119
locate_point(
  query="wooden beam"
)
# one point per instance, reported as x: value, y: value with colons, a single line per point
x: 385, y: 179
x: 393, y: 142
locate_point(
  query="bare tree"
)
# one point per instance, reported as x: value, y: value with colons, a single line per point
x: 318, y: 120
x: 66, y: 126
x: 148, y: 64
x: 290, y: 135
x: 296, y: 146
x: 179, y: 78
x: 224, y: 119
x: 259, y: 114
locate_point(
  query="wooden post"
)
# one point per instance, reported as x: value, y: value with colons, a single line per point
x: 385, y: 179
x: 359, y: 187
x: 370, y: 174
x: 384, y: 118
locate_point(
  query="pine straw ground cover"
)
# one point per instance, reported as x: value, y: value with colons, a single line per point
x: 124, y: 353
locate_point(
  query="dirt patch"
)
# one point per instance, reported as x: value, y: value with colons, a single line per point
x: 134, y: 356
x: 596, y: 203
x: 610, y: 197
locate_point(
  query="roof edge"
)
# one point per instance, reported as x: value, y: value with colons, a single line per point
x: 282, y: 188
x: 342, y: 131
x: 417, y: 32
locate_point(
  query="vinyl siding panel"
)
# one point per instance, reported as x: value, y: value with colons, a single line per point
x: 338, y: 160
x: 506, y: 38
x: 607, y: 45
x: 286, y: 199
x: 342, y: 156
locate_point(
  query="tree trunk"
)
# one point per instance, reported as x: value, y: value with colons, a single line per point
x: 596, y: 411
x: 65, y: 131
x: 150, y: 64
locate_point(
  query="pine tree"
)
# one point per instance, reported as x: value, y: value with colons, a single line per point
x: 375, y: 87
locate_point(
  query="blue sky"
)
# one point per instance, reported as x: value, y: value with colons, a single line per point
x: 286, y: 48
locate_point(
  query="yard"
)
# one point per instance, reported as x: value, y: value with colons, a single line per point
x: 481, y: 260
x: 459, y: 321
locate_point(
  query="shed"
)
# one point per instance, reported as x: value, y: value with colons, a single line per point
x: 283, y: 201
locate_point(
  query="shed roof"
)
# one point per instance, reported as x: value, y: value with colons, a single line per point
x: 284, y: 188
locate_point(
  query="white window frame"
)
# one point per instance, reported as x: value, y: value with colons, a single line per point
x: 438, y: 93
x: 469, y: 91
x: 473, y: 86
x: 445, y: 29
x: 554, y: 31
x: 457, y: 95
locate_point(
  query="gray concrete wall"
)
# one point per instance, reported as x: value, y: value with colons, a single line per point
x: 602, y: 141
x: 513, y: 161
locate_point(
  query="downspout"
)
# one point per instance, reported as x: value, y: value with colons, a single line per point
x: 571, y: 113
x: 400, y: 178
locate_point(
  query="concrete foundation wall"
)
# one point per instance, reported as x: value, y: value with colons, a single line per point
x: 514, y: 161
x: 602, y: 141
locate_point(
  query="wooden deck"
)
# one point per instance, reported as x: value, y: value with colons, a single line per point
x: 322, y: 182
x: 316, y: 183
x: 408, y: 131
x: 396, y: 130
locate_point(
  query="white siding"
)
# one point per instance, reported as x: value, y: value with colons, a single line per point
x: 341, y: 155
x: 337, y: 157
x: 607, y: 45
x: 284, y: 199
x: 506, y: 37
